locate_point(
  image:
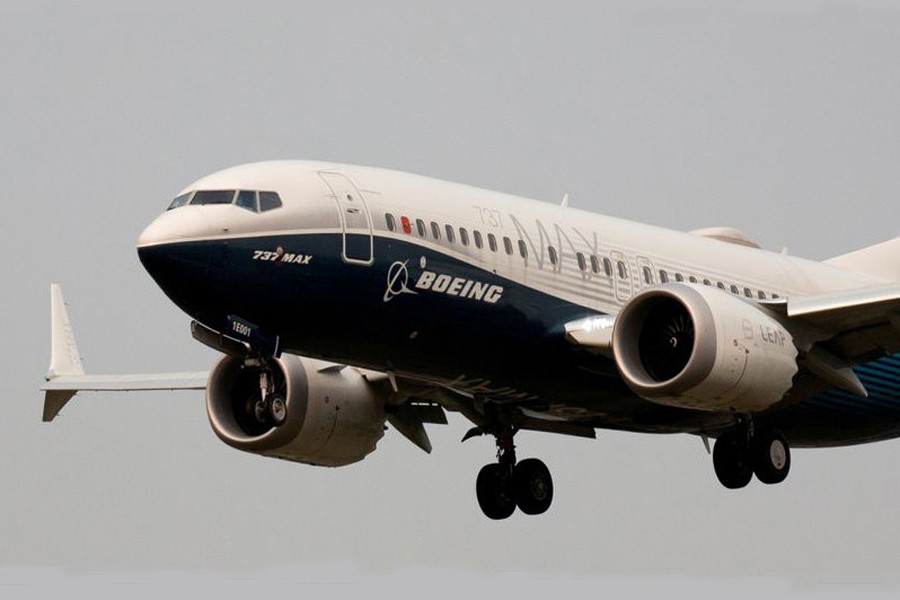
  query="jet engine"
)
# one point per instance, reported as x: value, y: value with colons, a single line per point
x: 701, y: 348
x: 334, y: 416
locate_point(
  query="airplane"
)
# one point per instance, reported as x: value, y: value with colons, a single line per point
x: 345, y: 298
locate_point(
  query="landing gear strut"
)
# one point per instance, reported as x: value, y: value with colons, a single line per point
x: 503, y: 485
x: 746, y: 451
x: 270, y: 408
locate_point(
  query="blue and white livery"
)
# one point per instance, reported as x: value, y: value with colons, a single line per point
x: 345, y: 297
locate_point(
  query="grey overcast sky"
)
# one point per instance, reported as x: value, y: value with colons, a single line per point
x: 779, y: 118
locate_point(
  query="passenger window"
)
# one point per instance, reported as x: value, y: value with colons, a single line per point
x: 420, y: 227
x: 623, y: 271
x: 582, y: 263
x: 463, y: 236
x: 679, y: 277
x: 707, y: 282
x: 775, y: 296
x: 213, y: 197
x: 552, y: 252
x: 450, y: 236
x: 693, y: 279
x: 648, y: 275
x: 663, y: 276
x: 492, y: 242
x: 391, y: 224
x: 269, y: 201
x: 435, y: 230
x: 720, y: 285
x: 523, y: 250
x: 607, y: 267
x: 404, y: 223
x: 595, y: 264
x: 507, y: 245
x: 246, y: 199
x: 479, y: 241
x: 734, y: 289
x: 180, y: 200
x: 748, y: 293
x: 761, y: 294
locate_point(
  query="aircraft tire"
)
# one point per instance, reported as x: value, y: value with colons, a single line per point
x: 260, y: 411
x: 494, y: 491
x: 276, y: 410
x: 771, y: 457
x: 533, y: 486
x: 732, y: 460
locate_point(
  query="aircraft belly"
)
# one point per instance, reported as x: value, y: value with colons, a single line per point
x: 836, y: 417
x: 424, y: 314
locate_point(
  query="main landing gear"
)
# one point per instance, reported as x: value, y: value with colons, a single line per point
x: 504, y: 485
x: 270, y: 407
x: 746, y: 451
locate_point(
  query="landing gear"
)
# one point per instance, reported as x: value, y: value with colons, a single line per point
x: 277, y: 410
x: 533, y: 486
x: 743, y: 452
x: 494, y: 489
x: 731, y: 460
x: 270, y: 408
x: 771, y: 457
x: 503, y: 485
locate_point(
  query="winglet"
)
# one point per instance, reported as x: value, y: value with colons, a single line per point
x: 64, y: 357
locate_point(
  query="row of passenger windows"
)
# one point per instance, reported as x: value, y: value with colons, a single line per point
x: 250, y: 199
x: 597, y: 264
x: 450, y: 233
x: 733, y: 288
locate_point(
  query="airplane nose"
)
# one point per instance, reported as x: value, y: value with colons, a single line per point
x: 175, y: 225
x: 174, y: 252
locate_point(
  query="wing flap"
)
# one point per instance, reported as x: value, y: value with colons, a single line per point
x: 856, y: 326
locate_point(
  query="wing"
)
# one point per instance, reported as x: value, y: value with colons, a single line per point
x: 834, y: 331
x: 855, y: 325
x: 66, y: 376
x: 844, y: 329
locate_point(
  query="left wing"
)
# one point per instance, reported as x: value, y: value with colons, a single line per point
x: 833, y: 331
x: 844, y: 329
x: 854, y: 325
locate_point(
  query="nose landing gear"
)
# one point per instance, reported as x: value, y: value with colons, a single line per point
x: 504, y: 485
x: 270, y: 409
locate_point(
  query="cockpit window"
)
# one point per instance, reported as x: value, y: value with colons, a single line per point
x: 246, y: 199
x: 180, y: 200
x: 268, y: 201
x: 212, y: 197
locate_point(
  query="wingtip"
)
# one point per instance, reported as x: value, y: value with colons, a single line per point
x: 64, y: 356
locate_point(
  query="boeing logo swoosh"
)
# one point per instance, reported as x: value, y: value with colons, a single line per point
x: 397, y: 281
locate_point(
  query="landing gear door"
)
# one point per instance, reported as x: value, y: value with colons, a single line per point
x: 356, y: 221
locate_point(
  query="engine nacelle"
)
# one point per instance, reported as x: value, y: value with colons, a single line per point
x: 334, y: 416
x: 698, y: 347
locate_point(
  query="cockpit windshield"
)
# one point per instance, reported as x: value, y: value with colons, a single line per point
x: 213, y: 197
x: 180, y: 201
x: 251, y: 200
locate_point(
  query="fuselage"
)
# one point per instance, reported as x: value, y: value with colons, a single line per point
x: 471, y: 289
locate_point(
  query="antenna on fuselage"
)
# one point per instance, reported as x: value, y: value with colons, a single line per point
x: 565, y: 200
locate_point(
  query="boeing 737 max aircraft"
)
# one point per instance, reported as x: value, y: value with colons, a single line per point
x: 346, y: 297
